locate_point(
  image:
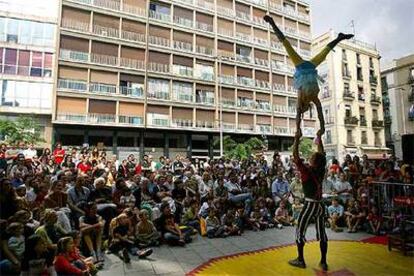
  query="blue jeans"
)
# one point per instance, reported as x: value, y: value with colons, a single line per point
x: 246, y: 198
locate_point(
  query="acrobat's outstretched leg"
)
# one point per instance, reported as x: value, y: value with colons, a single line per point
x: 294, y: 56
x: 319, y: 58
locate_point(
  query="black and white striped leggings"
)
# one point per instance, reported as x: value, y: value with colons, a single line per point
x: 311, y: 210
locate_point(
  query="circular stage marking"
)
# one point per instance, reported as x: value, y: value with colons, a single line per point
x: 345, y: 258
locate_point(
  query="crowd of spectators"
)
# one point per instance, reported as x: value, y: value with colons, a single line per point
x: 62, y: 210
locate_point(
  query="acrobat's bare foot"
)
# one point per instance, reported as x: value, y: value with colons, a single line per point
x: 343, y: 36
x: 268, y: 19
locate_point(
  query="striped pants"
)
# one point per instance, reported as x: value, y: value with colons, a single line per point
x: 311, y: 210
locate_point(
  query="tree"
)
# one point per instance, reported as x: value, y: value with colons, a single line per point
x: 305, y: 147
x: 24, y: 129
x: 240, y: 151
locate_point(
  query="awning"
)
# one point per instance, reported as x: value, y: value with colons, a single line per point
x: 378, y: 156
x: 375, y: 148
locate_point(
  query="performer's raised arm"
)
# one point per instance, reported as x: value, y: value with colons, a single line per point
x: 296, y: 143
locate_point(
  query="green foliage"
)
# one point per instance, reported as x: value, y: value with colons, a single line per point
x: 305, y: 147
x: 240, y: 151
x: 24, y: 129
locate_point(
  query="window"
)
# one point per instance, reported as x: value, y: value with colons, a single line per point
x: 47, y: 64
x: 159, y: 8
x: 358, y: 57
x: 10, y: 61
x: 375, y: 114
x: 26, y: 94
x: 364, y: 139
x: 377, y: 139
x: 2, y: 29
x: 36, y: 68
x: 13, y: 30
x: 346, y: 87
x: 328, y: 137
x: 359, y: 74
x: 24, y: 63
x: 48, y: 35
x: 348, y: 111
x: 349, y: 137
x: 344, y: 54
x: 203, y: 71
x: 25, y: 32
x: 361, y: 94
x: 345, y: 71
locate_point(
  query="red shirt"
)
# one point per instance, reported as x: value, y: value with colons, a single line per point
x: 84, y: 167
x: 63, y: 266
x: 58, y: 154
x: 311, y: 183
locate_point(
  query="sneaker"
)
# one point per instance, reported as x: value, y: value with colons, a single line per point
x: 324, y: 266
x: 125, y: 256
x: 279, y: 226
x: 144, y: 253
x: 297, y: 263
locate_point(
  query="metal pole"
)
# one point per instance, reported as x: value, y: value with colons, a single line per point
x: 221, y: 109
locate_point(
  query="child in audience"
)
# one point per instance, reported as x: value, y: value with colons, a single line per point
x: 229, y: 222
x: 353, y: 216
x: 336, y: 212
x: 256, y: 219
x: 214, y: 229
x: 282, y: 217
x: 16, y: 242
x: 190, y: 217
x: 127, y: 199
x: 297, y: 207
x: 375, y: 221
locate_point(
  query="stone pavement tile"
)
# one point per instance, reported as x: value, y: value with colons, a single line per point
x: 188, y: 267
x: 139, y: 266
x: 135, y: 273
x: 112, y: 269
x: 173, y: 274
x: 163, y: 267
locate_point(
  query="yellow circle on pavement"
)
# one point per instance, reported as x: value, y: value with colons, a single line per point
x: 344, y: 258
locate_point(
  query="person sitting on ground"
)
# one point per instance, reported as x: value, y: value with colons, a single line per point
x: 50, y: 231
x: 190, y: 217
x: 353, y: 216
x: 343, y: 188
x: 214, y: 228
x: 280, y: 188
x: 297, y: 207
x: 230, y: 225
x: 38, y: 260
x: 146, y: 233
x: 127, y: 199
x: 375, y: 221
x: 91, y: 227
x: 256, y: 219
x: 16, y: 242
x: 336, y: 213
x: 64, y: 262
x: 57, y: 199
x: 172, y: 233
x: 282, y: 215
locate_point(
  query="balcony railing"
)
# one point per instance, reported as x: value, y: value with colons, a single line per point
x: 229, y: 126
x: 183, y: 97
x: 262, y: 84
x: 105, y: 31
x: 246, y: 103
x: 244, y: 37
x: 261, y: 62
x: 182, y: 70
x: 348, y: 95
x: 263, y: 106
x: 108, y: 4
x: 279, y: 87
x: 75, y: 25
x: 181, y: 123
x: 75, y: 85
x: 104, y: 59
x: 209, y: 100
x: 309, y: 131
x: 283, y: 130
x: 291, y: 89
x: 161, y: 95
x: 259, y: 21
x: 132, y: 63
x: 183, y: 21
x: 377, y: 123
x: 264, y: 129
x: 74, y: 55
x: 284, y: 109
x: 205, y: 124
x: 362, y: 121
x: 98, y: 118
x: 225, y: 32
x: 204, y: 50
x: 158, y: 67
x: 102, y: 88
x: 160, y: 41
x: 291, y: 30
x: 132, y: 36
x: 245, y: 127
x: 243, y: 16
x: 375, y: 99
x: 277, y: 46
x: 225, y: 11
x: 225, y: 54
x: 71, y: 117
x: 205, y: 5
x: 245, y: 81
x: 227, y: 79
x: 373, y: 80
x: 228, y: 102
x: 160, y: 122
x: 133, y: 92
x: 131, y: 120
x: 160, y: 16
x: 204, y: 27
x: 183, y: 46
x: 242, y: 58
x: 352, y: 120
x: 133, y: 10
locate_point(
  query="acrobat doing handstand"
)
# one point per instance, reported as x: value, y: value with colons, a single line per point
x: 306, y: 76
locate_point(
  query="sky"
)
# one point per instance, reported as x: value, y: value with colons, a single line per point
x: 389, y: 24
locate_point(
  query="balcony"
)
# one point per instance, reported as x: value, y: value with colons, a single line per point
x: 228, y: 102
x: 361, y: 97
x: 71, y: 117
x: 279, y: 87
x: 263, y: 106
x: 107, y: 4
x: 259, y: 21
x: 183, y: 21
x: 351, y: 121
x: 181, y: 123
x: 131, y: 120
x: 132, y: 36
x: 375, y: 100
x: 284, y: 109
x: 243, y: 16
x: 282, y: 130
x: 184, y: 97
x: 205, y: 5
x: 373, y: 80
x: 132, y: 63
x: 204, y: 50
x: 160, y: 16
x: 348, y: 95
x: 277, y: 46
x: 102, y: 88
x: 222, y: 54
x: 350, y: 142
x: 73, y: 55
x: 291, y: 89
x: 346, y: 74
x: 262, y: 84
x: 104, y: 59
x: 204, y: 99
x: 160, y: 122
x: 204, y: 27
x: 260, y: 41
x: 245, y: 81
x: 304, y: 52
x: 244, y: 37
x: 160, y: 95
x: 291, y: 30
x: 225, y: 11
x: 73, y: 85
x: 245, y: 128
x: 160, y: 41
x: 362, y: 121
x: 105, y: 31
x: 133, y: 10
x: 132, y: 91
x: 225, y: 32
x: 183, y: 46
x: 261, y: 62
x: 158, y: 67
x: 309, y: 131
x: 72, y: 24
x: 227, y: 79
x: 97, y: 118
x: 245, y: 103
x: 183, y: 71
x: 205, y: 124
x: 377, y: 123
x: 229, y: 126
x: 242, y: 58
x: 266, y: 129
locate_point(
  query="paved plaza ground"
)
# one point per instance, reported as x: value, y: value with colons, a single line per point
x: 168, y: 260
